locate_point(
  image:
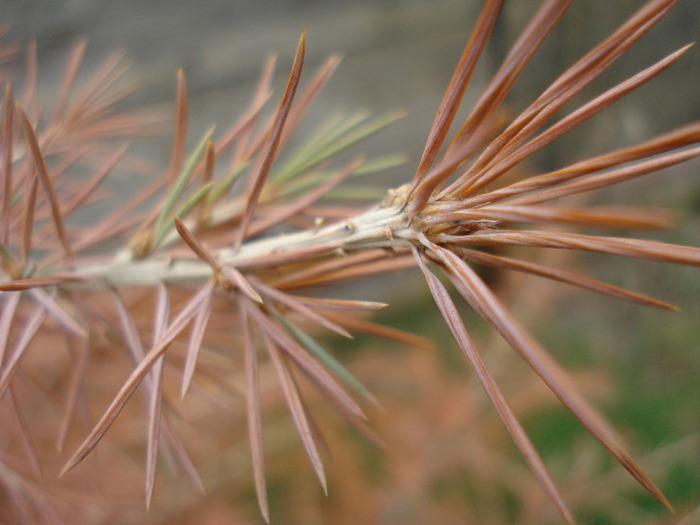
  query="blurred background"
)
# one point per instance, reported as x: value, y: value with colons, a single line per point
x: 449, y: 459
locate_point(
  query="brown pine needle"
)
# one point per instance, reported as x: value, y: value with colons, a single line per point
x: 609, y: 178
x: 451, y: 315
x: 196, y: 246
x: 76, y: 382
x: 12, y: 361
x: 250, y: 358
x: 42, y: 170
x: 97, y: 179
x: 320, y: 376
x: 237, y: 280
x: 342, y: 304
x: 88, y: 100
x: 71, y: 73
x: 40, y: 282
x: 22, y: 430
x: 452, y: 98
x: 242, y: 130
x: 296, y: 305
x: 296, y: 407
x: 243, y: 127
x: 185, y: 460
x: 385, y: 332
x: 363, y: 264
x: 309, y: 96
x: 7, y: 317
x: 31, y: 188
x: 199, y: 326
x: 563, y: 276
x: 129, y: 331
x: 153, y: 383
x: 283, y: 212
x: 58, y: 313
x: 602, y: 217
x: 256, y: 182
x: 485, y: 303
x: 160, y: 320
x: 6, y: 165
x: 30, y: 90
x: 207, y: 178
x: 565, y: 87
x: 571, y: 121
x: 683, y: 136
x: 180, y: 133
x: 651, y: 250
x: 520, y: 53
x: 176, y: 327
